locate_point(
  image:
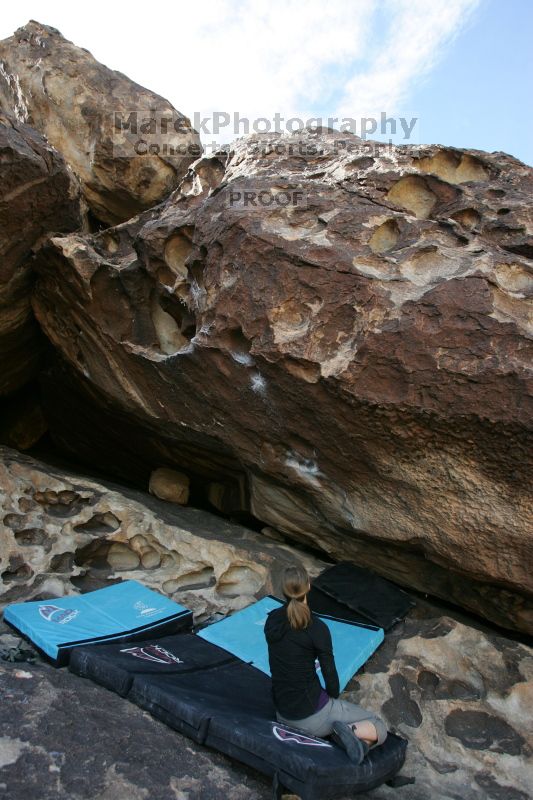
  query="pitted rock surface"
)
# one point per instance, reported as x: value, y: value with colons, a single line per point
x: 461, y: 696
x: 63, y: 532
x: 355, y: 369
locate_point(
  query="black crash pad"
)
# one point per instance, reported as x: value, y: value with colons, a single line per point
x: 190, y: 701
x: 116, y: 665
x: 312, y: 768
x: 375, y: 599
x: 324, y: 604
x: 216, y: 699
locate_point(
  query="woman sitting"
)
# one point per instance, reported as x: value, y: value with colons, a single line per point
x: 296, y: 638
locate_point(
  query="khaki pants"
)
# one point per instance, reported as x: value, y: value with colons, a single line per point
x: 321, y: 723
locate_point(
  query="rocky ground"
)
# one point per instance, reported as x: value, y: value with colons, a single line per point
x: 460, y: 695
x: 64, y: 738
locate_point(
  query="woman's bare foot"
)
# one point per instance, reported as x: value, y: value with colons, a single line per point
x: 366, y: 731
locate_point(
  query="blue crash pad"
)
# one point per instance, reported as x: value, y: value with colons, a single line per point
x: 243, y: 635
x: 124, y: 610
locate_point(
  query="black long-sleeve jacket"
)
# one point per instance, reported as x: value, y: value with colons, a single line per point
x: 292, y: 654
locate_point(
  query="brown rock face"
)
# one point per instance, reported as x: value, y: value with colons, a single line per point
x: 38, y: 195
x: 354, y: 367
x: 75, y: 101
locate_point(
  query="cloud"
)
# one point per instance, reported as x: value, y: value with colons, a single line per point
x: 258, y: 58
x: 340, y: 57
x: 417, y: 36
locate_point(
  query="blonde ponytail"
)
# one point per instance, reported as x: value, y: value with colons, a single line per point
x: 298, y: 613
x: 295, y: 588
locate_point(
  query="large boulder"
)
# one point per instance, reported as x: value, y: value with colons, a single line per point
x: 63, y: 532
x: 38, y: 195
x: 76, y: 102
x: 353, y: 365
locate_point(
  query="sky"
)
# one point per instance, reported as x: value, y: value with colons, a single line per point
x: 462, y: 69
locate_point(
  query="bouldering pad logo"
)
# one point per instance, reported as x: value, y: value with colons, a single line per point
x: 144, y: 610
x: 153, y: 652
x: 285, y: 735
x: 56, y: 614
